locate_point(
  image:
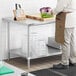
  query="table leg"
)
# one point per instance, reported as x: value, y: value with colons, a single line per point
x: 28, y: 41
x: 8, y: 42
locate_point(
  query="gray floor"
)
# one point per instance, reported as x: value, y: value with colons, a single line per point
x: 45, y: 72
x: 66, y: 72
x: 56, y: 72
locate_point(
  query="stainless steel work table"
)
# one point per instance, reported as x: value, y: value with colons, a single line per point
x: 29, y: 23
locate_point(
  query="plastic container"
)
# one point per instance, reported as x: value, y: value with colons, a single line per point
x: 1, y: 64
x: 46, y: 12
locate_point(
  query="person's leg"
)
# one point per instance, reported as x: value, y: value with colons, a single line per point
x: 65, y: 48
x: 72, y: 48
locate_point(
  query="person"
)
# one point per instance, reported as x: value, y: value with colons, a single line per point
x: 68, y: 48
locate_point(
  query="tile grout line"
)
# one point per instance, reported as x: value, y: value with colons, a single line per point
x: 61, y: 74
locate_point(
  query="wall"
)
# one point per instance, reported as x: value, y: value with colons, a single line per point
x: 6, y: 7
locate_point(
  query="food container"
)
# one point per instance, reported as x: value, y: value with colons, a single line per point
x: 1, y: 64
x: 46, y: 12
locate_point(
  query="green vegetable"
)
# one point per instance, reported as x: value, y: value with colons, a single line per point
x: 46, y: 15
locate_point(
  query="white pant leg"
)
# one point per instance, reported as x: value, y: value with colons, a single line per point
x: 72, y: 48
x: 66, y: 46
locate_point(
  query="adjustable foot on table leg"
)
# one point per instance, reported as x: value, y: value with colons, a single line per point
x: 27, y: 74
x: 24, y: 74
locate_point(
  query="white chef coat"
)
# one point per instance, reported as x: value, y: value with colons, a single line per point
x: 67, y: 6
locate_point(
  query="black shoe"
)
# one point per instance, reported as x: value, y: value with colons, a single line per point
x: 60, y: 66
x: 71, y: 64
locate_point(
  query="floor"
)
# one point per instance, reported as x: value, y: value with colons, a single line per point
x: 36, y: 64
